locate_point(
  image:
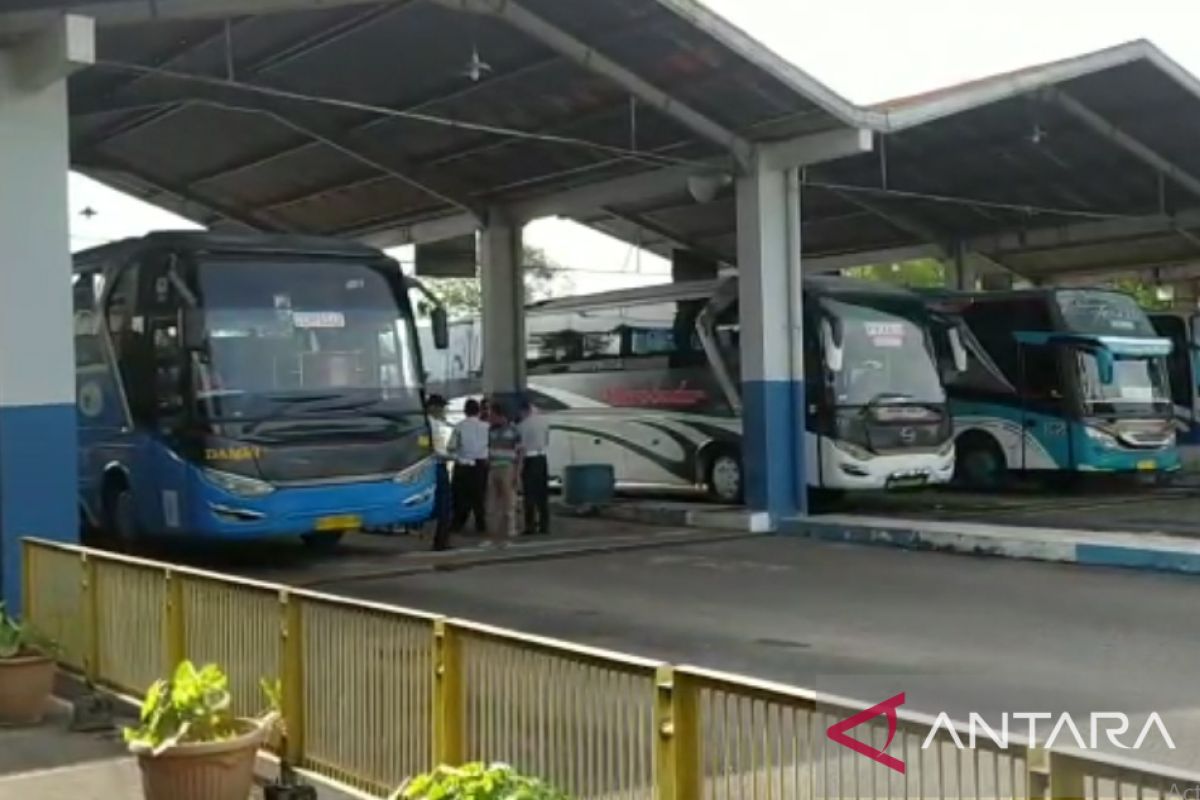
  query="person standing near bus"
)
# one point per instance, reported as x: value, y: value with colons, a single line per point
x: 436, y: 409
x: 469, y: 447
x: 535, y: 474
x: 503, y: 473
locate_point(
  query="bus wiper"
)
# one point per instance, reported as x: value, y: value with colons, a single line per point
x: 892, y: 398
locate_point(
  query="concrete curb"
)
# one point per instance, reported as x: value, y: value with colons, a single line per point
x: 522, y: 552
x: 1088, y: 548
x: 716, y: 518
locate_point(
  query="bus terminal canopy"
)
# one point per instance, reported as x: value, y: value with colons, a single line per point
x: 413, y: 121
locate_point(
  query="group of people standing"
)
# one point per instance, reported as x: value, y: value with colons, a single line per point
x: 496, y: 453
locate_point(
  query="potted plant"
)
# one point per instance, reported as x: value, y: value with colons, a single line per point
x: 26, y: 672
x: 189, y: 744
x: 476, y: 782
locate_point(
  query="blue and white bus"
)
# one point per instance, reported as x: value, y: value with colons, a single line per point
x: 247, y: 388
x: 1058, y: 380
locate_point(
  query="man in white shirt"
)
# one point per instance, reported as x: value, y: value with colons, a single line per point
x: 535, y: 475
x: 469, y: 447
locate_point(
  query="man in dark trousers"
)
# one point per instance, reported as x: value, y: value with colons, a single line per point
x: 435, y: 406
x: 535, y: 474
x: 469, y: 448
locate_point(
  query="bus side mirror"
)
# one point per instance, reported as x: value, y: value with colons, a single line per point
x: 831, y: 344
x: 957, y: 350
x: 1106, y: 366
x: 439, y: 320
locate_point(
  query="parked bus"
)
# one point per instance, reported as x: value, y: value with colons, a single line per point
x: 1058, y: 380
x: 1183, y: 332
x: 249, y: 387
x: 648, y: 380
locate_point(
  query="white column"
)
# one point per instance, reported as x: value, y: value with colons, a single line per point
x: 501, y: 274
x: 773, y: 418
x: 38, y: 468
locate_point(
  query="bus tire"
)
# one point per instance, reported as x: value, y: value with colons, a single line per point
x: 724, y: 477
x: 120, y: 513
x: 979, y: 462
x: 322, y: 542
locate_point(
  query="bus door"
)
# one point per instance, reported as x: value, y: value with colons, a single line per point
x: 1181, y: 369
x: 1045, y: 443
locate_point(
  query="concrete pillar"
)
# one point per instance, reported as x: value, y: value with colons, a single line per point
x: 773, y: 414
x: 502, y: 278
x: 962, y: 273
x: 38, y: 465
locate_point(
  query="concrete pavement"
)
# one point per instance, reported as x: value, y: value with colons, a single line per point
x: 956, y: 634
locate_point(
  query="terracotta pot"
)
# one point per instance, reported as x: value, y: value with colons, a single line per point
x: 25, y: 686
x: 208, y: 771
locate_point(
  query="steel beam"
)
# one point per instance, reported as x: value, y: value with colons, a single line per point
x: 1101, y: 125
x: 887, y: 255
x: 625, y: 190
x: 434, y: 229
x: 816, y: 148
x: 132, y: 12
x: 589, y: 58
x: 63, y: 46
x: 1089, y: 232
x: 188, y: 202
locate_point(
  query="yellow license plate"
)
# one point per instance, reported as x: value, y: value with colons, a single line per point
x: 1147, y: 466
x: 339, y: 523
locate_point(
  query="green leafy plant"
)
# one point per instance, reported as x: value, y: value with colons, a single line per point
x: 476, y: 782
x: 193, y: 706
x: 18, y: 639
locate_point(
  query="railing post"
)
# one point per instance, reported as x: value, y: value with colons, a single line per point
x: 678, y: 767
x: 291, y: 633
x: 1067, y: 777
x: 174, y: 631
x: 90, y: 596
x: 448, y: 721
x: 26, y: 609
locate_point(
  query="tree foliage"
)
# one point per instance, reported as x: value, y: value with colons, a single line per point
x: 922, y: 273
x: 463, y: 297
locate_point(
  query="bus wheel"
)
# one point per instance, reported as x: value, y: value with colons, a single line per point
x: 725, y: 478
x: 321, y: 542
x: 979, y: 463
x: 122, y: 518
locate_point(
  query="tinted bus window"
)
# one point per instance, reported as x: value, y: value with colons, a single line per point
x: 1102, y: 313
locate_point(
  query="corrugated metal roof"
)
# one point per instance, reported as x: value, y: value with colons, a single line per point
x: 1092, y: 154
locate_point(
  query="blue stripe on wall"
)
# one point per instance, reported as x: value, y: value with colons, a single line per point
x: 773, y: 447
x: 38, y: 477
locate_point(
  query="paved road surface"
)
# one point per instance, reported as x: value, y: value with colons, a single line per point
x: 955, y: 632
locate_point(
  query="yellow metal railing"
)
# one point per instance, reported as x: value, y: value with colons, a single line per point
x: 374, y: 693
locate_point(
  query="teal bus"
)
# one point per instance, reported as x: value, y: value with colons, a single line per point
x: 1058, y: 380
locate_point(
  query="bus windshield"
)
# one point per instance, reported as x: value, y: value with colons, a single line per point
x: 286, y: 333
x: 887, y: 358
x: 1101, y: 313
x: 1138, y: 386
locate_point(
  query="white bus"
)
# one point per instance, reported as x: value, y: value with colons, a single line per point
x: 648, y: 380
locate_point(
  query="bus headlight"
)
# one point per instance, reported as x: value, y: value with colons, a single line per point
x: 854, y: 451
x: 237, y: 484
x: 416, y: 474
x: 1102, y: 438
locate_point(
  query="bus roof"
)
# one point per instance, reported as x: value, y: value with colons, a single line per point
x: 208, y: 242
x: 829, y: 285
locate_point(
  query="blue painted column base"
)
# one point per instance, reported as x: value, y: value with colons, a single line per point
x: 38, y: 485
x: 773, y: 447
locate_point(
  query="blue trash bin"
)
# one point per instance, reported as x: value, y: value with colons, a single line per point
x: 588, y: 484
